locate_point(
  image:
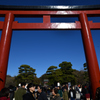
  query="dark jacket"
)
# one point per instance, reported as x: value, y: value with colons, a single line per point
x: 74, y: 93
x: 60, y: 92
x: 28, y: 96
x: 11, y: 94
x: 42, y: 96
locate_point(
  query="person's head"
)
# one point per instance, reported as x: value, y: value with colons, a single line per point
x: 5, y: 92
x: 23, y: 84
x: 39, y: 88
x: 54, y: 91
x: 70, y: 87
x: 59, y: 87
x: 65, y: 89
x: 31, y: 87
x: 63, y: 85
x: 11, y: 88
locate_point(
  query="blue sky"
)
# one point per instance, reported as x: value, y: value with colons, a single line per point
x: 43, y: 48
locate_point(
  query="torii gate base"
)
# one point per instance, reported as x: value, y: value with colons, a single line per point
x: 47, y: 11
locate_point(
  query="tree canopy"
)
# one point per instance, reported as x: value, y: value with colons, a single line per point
x: 86, y: 76
x: 63, y: 74
x: 26, y: 74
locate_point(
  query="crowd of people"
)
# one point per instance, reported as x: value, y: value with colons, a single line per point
x: 32, y: 92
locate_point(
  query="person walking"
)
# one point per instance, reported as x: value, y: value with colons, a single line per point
x: 72, y: 93
x: 11, y: 88
x: 4, y: 94
x: 65, y: 94
x: 20, y: 92
x: 42, y: 95
x: 55, y: 94
x: 29, y: 95
x: 60, y: 92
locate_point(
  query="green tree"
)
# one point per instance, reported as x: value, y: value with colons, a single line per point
x: 86, y: 76
x: 44, y: 76
x: 85, y: 66
x: 50, y: 70
x: 54, y: 75
x: 58, y: 75
x: 26, y: 74
x: 50, y: 74
x: 66, y: 68
x: 79, y: 76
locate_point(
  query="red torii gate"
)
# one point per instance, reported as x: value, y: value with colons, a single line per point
x: 10, y: 12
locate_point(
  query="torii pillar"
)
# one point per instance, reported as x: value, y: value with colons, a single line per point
x: 5, y: 47
x: 92, y: 63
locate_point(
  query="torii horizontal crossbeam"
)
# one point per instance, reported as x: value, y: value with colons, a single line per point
x: 46, y: 12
